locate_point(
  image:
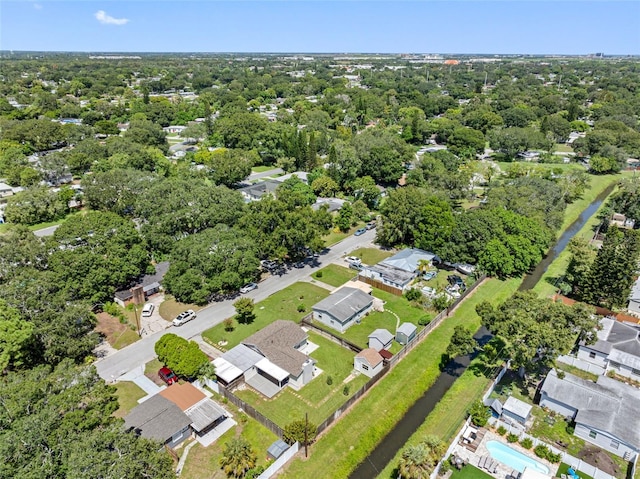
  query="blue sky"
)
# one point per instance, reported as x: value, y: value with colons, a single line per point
x: 455, y: 26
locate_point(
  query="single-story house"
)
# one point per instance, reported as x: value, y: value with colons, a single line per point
x: 606, y: 413
x: 617, y: 348
x: 5, y: 190
x: 333, y: 204
x: 399, y: 270
x: 634, y: 299
x: 301, y: 175
x: 368, y: 361
x: 516, y: 410
x: 174, y: 129
x: 150, y: 285
x: 159, y: 419
x: 269, y: 360
x: 380, y: 339
x: 343, y: 308
x: 259, y: 190
x: 406, y: 332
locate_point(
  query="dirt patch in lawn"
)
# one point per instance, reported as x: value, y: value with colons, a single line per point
x: 600, y: 459
x: 112, y: 329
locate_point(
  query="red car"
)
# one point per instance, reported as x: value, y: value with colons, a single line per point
x: 168, y: 376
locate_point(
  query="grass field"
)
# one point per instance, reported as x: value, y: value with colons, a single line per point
x: 128, y: 394
x: 317, y: 398
x: 203, y: 462
x: 262, y: 168
x: 371, y: 255
x: 469, y: 472
x: 334, y: 275
x: 352, y: 438
x: 563, y: 470
x: 170, y: 308
x: 334, y: 237
x: 281, y: 305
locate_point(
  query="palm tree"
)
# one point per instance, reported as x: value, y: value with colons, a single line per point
x: 418, y: 461
x: 423, y: 265
x: 238, y: 457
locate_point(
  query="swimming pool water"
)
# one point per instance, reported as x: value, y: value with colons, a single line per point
x: 514, y: 459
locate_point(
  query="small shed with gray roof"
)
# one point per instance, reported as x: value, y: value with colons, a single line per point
x: 516, y: 410
x: 380, y: 339
x: 406, y: 332
x: 343, y: 308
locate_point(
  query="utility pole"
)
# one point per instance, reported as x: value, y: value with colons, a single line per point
x: 306, y: 427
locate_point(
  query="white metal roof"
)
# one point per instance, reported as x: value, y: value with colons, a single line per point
x: 225, y: 370
x: 272, y: 370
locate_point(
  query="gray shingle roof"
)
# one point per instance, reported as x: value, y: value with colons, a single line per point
x: 344, y: 303
x: 382, y: 335
x: 607, y: 405
x: 157, y: 418
x: 276, y: 342
x: 391, y: 273
x: 407, y: 329
x: 277, y: 449
x: 517, y: 407
x: 620, y: 341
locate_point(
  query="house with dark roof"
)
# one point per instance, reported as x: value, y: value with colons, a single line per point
x: 343, y: 308
x: 380, y: 339
x: 368, y: 361
x: 159, y: 419
x: 606, y: 413
x: 617, y: 348
x: 148, y: 285
x: 259, y: 190
x: 269, y: 360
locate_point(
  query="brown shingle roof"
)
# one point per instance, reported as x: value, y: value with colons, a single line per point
x: 371, y: 356
x: 183, y: 395
x: 276, y: 342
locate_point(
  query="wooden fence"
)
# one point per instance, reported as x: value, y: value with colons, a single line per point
x: 380, y: 285
x: 252, y: 412
x: 307, y: 322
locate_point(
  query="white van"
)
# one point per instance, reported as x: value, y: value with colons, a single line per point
x: 147, y: 310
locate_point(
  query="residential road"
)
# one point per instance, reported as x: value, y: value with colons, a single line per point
x: 116, y: 364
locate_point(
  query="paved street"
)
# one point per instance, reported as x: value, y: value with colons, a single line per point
x: 121, y: 362
x: 46, y: 231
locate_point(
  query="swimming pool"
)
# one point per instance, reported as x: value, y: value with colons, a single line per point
x: 512, y: 458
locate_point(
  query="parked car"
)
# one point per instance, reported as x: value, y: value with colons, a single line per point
x: 465, y: 268
x: 360, y: 231
x: 353, y: 260
x: 147, y: 310
x: 184, y: 317
x: 248, y: 287
x: 356, y: 266
x: 455, y: 279
x: 168, y: 376
x: 429, y: 275
x: 371, y: 225
x: 298, y: 264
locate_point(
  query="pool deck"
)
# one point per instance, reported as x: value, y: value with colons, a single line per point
x: 502, y: 471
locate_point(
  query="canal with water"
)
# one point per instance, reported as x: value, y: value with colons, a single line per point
x: 415, y: 416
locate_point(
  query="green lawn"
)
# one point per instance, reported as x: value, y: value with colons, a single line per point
x: 5, y: 226
x: 563, y: 470
x: 469, y: 472
x: 581, y: 373
x: 563, y: 148
x: 352, y: 438
x: 334, y: 275
x: 371, y: 255
x: 203, y: 462
x: 127, y: 337
x: 128, y: 394
x: 281, y: 305
x: 598, y: 185
x: 551, y: 428
x: 317, y: 398
x: 262, y: 168
x: 334, y: 237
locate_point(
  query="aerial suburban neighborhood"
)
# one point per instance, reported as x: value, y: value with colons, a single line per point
x: 327, y: 265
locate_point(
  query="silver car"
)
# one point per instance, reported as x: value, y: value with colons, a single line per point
x: 184, y: 317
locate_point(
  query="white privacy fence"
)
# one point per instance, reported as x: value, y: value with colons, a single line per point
x: 584, y: 365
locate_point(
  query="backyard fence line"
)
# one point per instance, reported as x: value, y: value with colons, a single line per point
x: 584, y: 365
x: 380, y: 285
x: 307, y: 322
x: 349, y: 402
x: 252, y: 412
x: 433, y: 323
x: 280, y: 462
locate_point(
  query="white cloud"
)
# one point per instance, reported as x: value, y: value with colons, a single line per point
x: 105, y: 19
x: 37, y: 6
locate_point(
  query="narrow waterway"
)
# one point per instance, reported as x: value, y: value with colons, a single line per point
x: 415, y: 416
x: 532, y: 278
